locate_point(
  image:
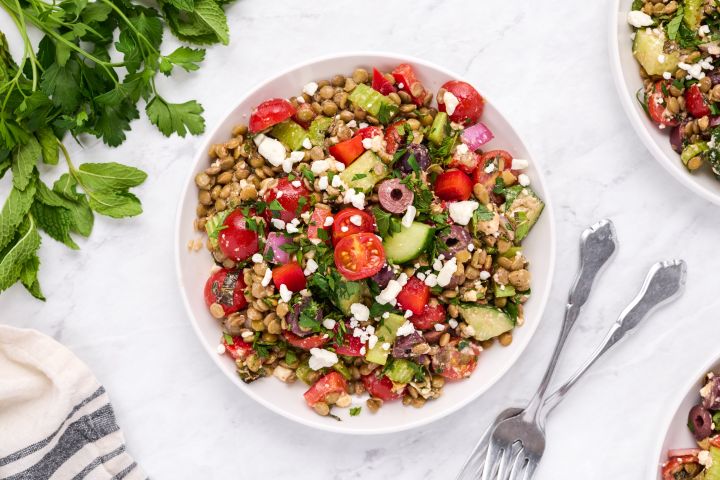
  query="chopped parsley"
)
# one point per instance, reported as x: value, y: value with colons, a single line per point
x: 355, y: 411
x: 386, y: 223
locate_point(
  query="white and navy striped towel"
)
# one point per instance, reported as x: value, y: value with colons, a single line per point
x: 56, y: 421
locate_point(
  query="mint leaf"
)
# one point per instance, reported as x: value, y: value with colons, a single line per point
x: 187, y: 5
x: 115, y: 204
x: 176, y: 117
x: 29, y: 279
x: 184, y: 57
x: 24, y: 161
x: 82, y: 216
x: 16, y: 207
x: 13, y: 258
x: 207, y: 23
x: 110, y: 176
x: 55, y: 221
x: 48, y: 146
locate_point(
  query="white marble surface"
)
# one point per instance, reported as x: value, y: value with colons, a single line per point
x: 545, y: 65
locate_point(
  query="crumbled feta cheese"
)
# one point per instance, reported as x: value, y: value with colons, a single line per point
x: 705, y: 459
x: 310, y: 88
x: 363, y: 350
x: 401, y: 85
x: 462, y: 149
x: 389, y: 293
x: 272, y: 150
x: 357, y: 199
x: 247, y: 334
x: 307, y: 144
x: 279, y: 194
x: 337, y: 182
x: 367, y: 143
x: 694, y: 70
x: 451, y: 102
x: 320, y: 166
x: 462, y: 212
x: 320, y: 358
x: 431, y: 280
x: 470, y: 247
x: 705, y: 391
x: 257, y: 258
x: 339, y: 166
x: 285, y: 293
x: 704, y: 30
x: 453, y: 323
x: 667, y: 75
x: 639, y: 19
x: 328, y: 221
x: 519, y: 164
x: 291, y: 228
x: 310, y: 267
x: 484, y: 275
x: 329, y: 323
x: 363, y: 124
x: 437, y: 264
x: 490, y: 168
x: 294, y: 158
x: 409, y: 216
x: 405, y: 329
x: 374, y: 143
x: 386, y: 315
x: 446, y: 273
x: 420, y: 275
x: 259, y: 138
x: 523, y: 180
x: 300, y: 99
x: 372, y: 341
x: 469, y: 331
x: 344, y: 228
x: 360, y: 312
x: 439, y: 327
x: 220, y: 349
x: 266, y: 279
x: 356, y: 220
x: 277, y: 223
x: 386, y: 346
x: 323, y: 182
x: 402, y: 279
x: 295, y: 183
x: 408, y: 314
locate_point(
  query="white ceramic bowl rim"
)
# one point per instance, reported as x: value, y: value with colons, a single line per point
x: 333, y: 426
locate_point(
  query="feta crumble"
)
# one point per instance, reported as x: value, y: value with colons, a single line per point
x: 409, y: 216
x: 320, y: 358
x: 310, y: 267
x: 405, y: 329
x: 451, y: 102
x: 447, y: 271
x: 639, y: 19
x: 310, y: 88
x: 266, y: 279
x: 285, y: 293
x: 462, y: 212
x: 360, y: 312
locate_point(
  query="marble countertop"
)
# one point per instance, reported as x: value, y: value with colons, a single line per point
x: 115, y: 302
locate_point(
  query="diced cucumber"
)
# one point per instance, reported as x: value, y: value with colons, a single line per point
x: 511, y: 252
x: 502, y: 291
x: 522, y: 208
x: 649, y: 48
x: 214, y: 225
x: 305, y: 373
x: 488, y: 322
x: 438, y: 129
x: 317, y: 130
x: 692, y: 13
x: 693, y: 150
x: 408, y: 243
x: 342, y: 370
x: 347, y: 294
x: 401, y: 370
x: 362, y: 174
x: 371, y: 100
x: 289, y: 134
x: 713, y: 472
x: 386, y: 333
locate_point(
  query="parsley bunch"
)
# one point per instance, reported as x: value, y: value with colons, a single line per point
x: 95, y: 63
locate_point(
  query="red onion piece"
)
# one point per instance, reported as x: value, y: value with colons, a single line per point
x: 275, y: 240
x: 476, y: 136
x: 676, y: 138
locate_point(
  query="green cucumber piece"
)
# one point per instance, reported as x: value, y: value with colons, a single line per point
x: 342, y: 370
x: 511, y: 252
x: 713, y: 473
x: 488, y: 322
x: 693, y: 150
x: 371, y: 100
x: 386, y: 333
x: 305, y: 373
x: 693, y: 13
x: 289, y: 134
x: 347, y: 294
x: 649, y: 44
x: 438, y: 129
x: 362, y: 174
x: 317, y: 130
x: 522, y: 208
x: 214, y: 225
x: 401, y: 370
x: 408, y: 243
x: 508, y: 291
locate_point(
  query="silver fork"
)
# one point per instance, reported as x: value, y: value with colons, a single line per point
x: 598, y: 243
x: 518, y: 443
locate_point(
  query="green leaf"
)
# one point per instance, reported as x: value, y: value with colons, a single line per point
x: 113, y: 120
x: 95, y: 12
x: 13, y: 259
x: 14, y: 210
x: 149, y: 25
x: 29, y: 279
x: 49, y: 145
x: 24, y: 161
x: 110, y: 176
x: 184, y: 57
x: 62, y: 84
x: 78, y: 211
x: 55, y: 221
x: 115, y: 204
x: 674, y: 25
x: 4, y: 166
x: 187, y: 5
x: 176, y: 117
x: 206, y: 24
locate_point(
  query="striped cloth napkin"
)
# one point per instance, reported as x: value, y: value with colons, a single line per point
x: 56, y: 421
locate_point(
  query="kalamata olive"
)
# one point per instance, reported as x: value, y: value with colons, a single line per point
x: 712, y: 400
x: 457, y: 239
x: 700, y: 422
x: 432, y: 336
x: 676, y: 138
x: 403, y: 345
x: 394, y: 196
x: 715, y: 78
x: 421, y: 154
x: 293, y: 317
x: 383, y: 277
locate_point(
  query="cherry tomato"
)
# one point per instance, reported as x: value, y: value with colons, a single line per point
x: 269, y: 113
x: 501, y: 158
x: 350, y: 221
x: 306, y: 343
x: 350, y: 347
x: 369, y: 132
x: 381, y: 84
x: 290, y: 198
x: 432, y: 314
x: 393, y: 139
x: 226, y: 288
x: 414, y: 296
x: 657, y: 106
x: 333, y: 382
x: 347, y: 151
x: 454, y: 364
x: 380, y: 387
x: 471, y: 104
x: 465, y: 160
x: 695, y: 102
x: 236, y: 241
x: 453, y: 185
x: 238, y: 348
x: 405, y: 75
x: 675, y: 465
x: 291, y: 275
x: 317, y: 222
x: 359, y: 256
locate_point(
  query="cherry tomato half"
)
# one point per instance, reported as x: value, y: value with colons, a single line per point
x: 317, y: 222
x: 350, y: 221
x: 501, y: 158
x: 432, y: 314
x: 369, y: 132
x: 405, y: 75
x: 393, y: 139
x: 351, y: 346
x: 290, y: 198
x: 238, y: 348
x: 414, y: 296
x: 465, y: 160
x: 695, y: 102
x: 269, y: 113
x: 333, y: 382
x: 381, y: 84
x: 455, y: 364
x: 453, y: 185
x: 236, y: 241
x: 657, y: 106
x: 306, y: 343
x: 291, y: 275
x: 226, y: 288
x: 470, y: 103
x: 360, y: 255
x: 380, y: 387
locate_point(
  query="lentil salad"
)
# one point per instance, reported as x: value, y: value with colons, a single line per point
x: 364, y: 241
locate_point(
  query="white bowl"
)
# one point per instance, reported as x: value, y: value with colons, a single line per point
x: 193, y: 268
x: 677, y: 434
x: 626, y: 74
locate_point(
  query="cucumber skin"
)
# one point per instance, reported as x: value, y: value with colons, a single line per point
x: 289, y: 133
x: 437, y: 130
x: 368, y: 99
x: 317, y: 130
x: 365, y: 164
x: 647, y: 47
x: 405, y: 254
x: 386, y: 333
x: 486, y: 327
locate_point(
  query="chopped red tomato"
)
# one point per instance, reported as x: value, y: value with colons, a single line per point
x: 453, y: 185
x: 393, y: 139
x: 470, y: 103
x: 291, y: 275
x: 695, y: 102
x: 454, y: 364
x: 236, y: 347
x: 347, y: 151
x: 381, y: 84
x: 269, y: 113
x: 333, y: 382
x: 504, y: 161
x: 360, y: 255
x: 317, y: 222
x: 226, y: 288
x: 294, y: 200
x: 405, y: 75
x: 675, y: 465
x: 237, y: 241
x: 350, y: 347
x: 306, y: 343
x: 414, y: 296
x: 432, y: 314
x: 350, y: 221
x: 369, y: 132
x: 465, y: 159
x: 380, y: 387
x: 657, y: 105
